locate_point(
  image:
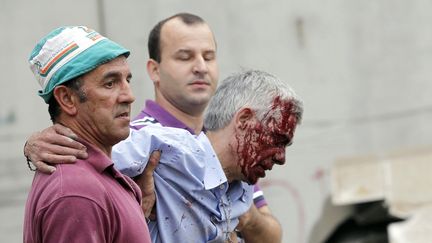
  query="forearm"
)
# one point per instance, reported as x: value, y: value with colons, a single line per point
x: 264, y: 228
x: 53, y: 145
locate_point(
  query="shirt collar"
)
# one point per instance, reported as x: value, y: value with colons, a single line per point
x: 162, y: 116
x: 102, y: 163
x: 96, y: 157
x: 214, y: 175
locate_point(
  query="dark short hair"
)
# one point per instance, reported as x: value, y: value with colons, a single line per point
x: 75, y: 85
x: 154, y: 47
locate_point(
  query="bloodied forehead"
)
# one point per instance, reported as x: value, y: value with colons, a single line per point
x: 280, y: 119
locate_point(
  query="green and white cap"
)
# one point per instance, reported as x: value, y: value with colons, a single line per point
x: 68, y: 52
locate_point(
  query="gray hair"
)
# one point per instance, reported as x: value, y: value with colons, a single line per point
x: 254, y: 89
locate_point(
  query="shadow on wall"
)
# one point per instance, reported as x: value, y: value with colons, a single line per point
x: 330, y: 216
x: 367, y: 224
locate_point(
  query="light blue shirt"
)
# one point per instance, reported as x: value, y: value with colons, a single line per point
x: 194, y: 201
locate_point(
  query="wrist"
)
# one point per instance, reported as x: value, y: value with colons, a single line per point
x: 29, y: 162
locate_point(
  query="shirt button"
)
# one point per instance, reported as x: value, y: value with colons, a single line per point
x: 222, y: 187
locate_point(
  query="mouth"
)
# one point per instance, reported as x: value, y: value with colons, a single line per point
x: 123, y: 115
x: 260, y: 171
x: 199, y: 83
x: 267, y: 165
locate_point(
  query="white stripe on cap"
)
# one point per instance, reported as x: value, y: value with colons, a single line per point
x: 56, y: 48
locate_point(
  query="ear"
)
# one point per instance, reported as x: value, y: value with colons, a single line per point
x: 243, y: 117
x: 153, y: 70
x: 67, y: 99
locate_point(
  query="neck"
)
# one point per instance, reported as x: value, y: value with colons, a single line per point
x: 193, y: 119
x: 85, y: 135
x: 224, y: 150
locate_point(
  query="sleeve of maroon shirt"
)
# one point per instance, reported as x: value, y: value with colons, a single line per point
x: 74, y: 219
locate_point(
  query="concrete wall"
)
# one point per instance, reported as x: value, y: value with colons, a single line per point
x: 362, y: 68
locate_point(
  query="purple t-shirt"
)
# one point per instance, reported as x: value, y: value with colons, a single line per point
x: 160, y: 115
x: 88, y: 201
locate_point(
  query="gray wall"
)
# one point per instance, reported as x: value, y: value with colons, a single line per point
x: 362, y: 68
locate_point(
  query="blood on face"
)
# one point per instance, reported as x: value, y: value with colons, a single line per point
x: 262, y: 144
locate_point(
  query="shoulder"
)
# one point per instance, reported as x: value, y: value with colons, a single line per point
x: 79, y: 179
x: 152, y: 137
x: 143, y: 121
x: 75, y: 218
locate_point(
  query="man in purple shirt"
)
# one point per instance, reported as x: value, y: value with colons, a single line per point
x: 85, y: 80
x: 183, y: 67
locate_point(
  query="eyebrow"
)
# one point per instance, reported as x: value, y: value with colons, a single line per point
x: 183, y: 50
x: 284, y: 137
x: 115, y: 74
x: 180, y: 51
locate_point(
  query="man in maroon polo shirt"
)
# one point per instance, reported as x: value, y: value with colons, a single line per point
x: 85, y: 80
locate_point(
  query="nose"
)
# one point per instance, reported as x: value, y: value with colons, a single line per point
x: 126, y: 95
x: 279, y: 157
x: 200, y: 66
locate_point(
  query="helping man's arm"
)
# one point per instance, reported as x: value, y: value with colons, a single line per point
x: 146, y: 182
x: 259, y: 225
x: 54, y: 145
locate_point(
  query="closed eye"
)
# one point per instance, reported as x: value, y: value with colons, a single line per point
x: 283, y: 140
